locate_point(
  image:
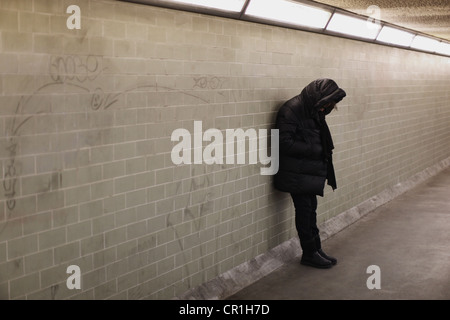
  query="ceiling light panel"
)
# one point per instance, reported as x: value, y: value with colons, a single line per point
x: 425, y: 44
x: 228, y: 5
x: 443, y: 48
x: 356, y: 27
x: 395, y: 36
x: 289, y: 12
x: 308, y: 15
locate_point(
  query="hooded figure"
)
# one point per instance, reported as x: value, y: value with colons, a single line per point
x: 306, y: 162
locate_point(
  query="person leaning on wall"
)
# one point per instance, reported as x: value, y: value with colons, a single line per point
x: 306, y: 162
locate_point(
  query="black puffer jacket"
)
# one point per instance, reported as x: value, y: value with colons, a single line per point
x: 305, y: 141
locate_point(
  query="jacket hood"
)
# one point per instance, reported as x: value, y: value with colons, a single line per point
x: 320, y: 92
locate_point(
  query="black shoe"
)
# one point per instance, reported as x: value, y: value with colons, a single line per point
x: 316, y: 261
x: 324, y: 255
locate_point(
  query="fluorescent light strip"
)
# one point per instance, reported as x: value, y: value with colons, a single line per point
x: 311, y: 16
x: 443, y: 48
x: 289, y: 12
x: 352, y: 26
x: 425, y: 44
x: 226, y: 5
x: 395, y: 36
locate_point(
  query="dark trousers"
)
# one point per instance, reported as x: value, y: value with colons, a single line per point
x: 306, y: 222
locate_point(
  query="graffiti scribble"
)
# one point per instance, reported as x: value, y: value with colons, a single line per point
x: 208, y: 82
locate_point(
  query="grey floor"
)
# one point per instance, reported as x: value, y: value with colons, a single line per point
x: 407, y: 239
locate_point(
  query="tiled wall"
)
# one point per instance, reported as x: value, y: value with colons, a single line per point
x: 86, y: 118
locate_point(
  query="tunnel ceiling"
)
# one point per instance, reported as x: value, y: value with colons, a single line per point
x: 427, y: 16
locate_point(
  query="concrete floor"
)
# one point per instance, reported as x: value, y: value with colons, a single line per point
x: 408, y: 238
